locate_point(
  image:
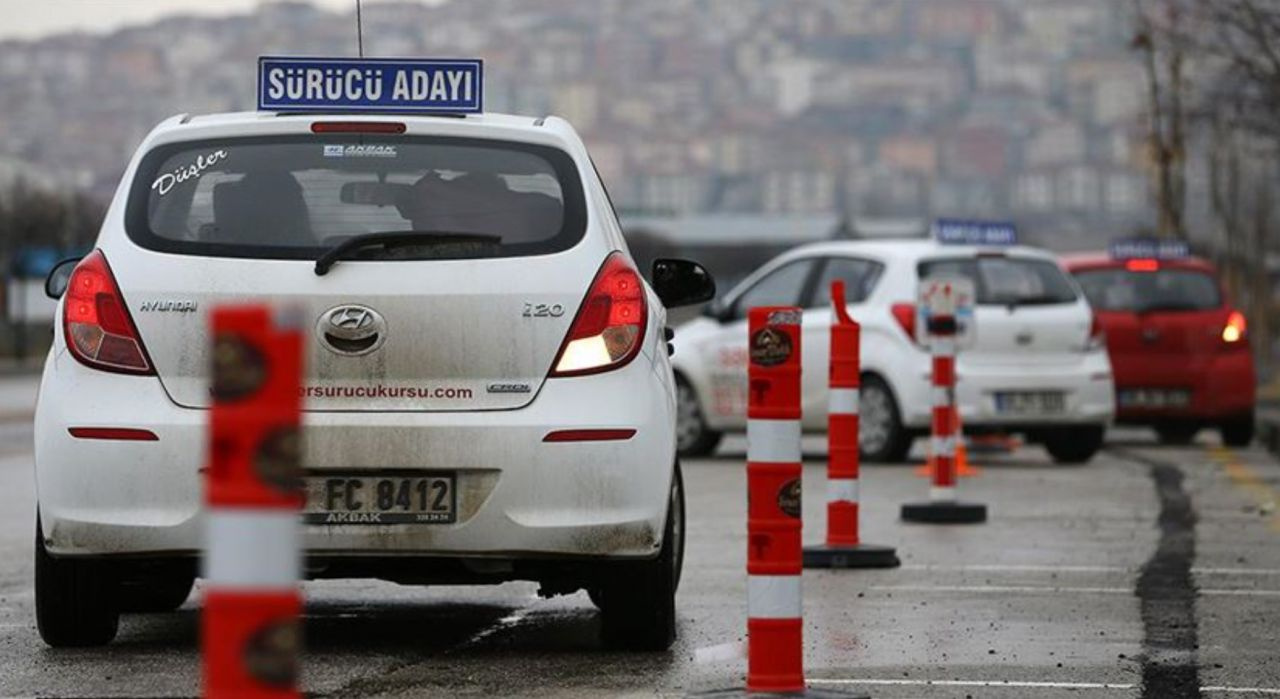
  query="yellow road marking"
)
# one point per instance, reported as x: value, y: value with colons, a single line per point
x: 1249, y: 481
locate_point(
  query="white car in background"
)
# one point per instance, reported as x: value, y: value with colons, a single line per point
x: 1038, y: 365
x: 476, y: 330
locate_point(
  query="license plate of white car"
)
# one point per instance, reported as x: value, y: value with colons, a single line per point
x: 381, y: 500
x: 1030, y: 402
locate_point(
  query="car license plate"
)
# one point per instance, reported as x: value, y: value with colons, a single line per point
x: 1031, y: 403
x: 425, y: 499
x: 1154, y: 398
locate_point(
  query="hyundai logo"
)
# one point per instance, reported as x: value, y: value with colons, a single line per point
x: 351, y: 330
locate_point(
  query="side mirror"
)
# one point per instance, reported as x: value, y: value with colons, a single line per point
x: 55, y: 285
x: 682, y: 282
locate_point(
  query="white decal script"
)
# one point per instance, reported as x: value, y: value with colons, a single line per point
x: 203, y: 162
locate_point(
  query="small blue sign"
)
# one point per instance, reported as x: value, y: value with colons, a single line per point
x: 1154, y: 248
x: 431, y: 85
x: 959, y: 232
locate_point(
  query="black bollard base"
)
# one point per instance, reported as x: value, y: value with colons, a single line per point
x: 860, y: 556
x: 945, y: 512
x: 809, y: 693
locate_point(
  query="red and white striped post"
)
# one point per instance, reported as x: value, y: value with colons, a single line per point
x: 250, y: 633
x: 843, y: 547
x: 775, y: 658
x: 943, y: 508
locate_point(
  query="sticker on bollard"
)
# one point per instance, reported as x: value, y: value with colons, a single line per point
x: 843, y: 547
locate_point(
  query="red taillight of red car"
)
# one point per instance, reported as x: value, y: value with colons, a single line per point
x: 607, y: 332
x: 905, y: 314
x: 1142, y: 265
x: 96, y: 323
x: 1234, y: 331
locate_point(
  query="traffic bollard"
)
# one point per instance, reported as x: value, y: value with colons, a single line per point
x: 250, y: 634
x: 775, y: 660
x: 843, y: 547
x: 943, y: 508
x: 775, y: 650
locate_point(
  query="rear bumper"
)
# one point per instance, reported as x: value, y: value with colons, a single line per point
x: 1222, y: 386
x: 1086, y: 385
x: 517, y: 495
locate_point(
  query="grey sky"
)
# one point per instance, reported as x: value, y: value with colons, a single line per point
x: 29, y: 19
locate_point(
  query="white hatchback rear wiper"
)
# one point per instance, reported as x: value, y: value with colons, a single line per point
x: 388, y: 239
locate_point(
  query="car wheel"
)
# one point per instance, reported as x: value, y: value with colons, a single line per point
x: 161, y: 592
x: 881, y: 435
x: 693, y: 436
x: 638, y: 601
x: 1238, y: 432
x: 76, y: 601
x: 1074, y: 445
x: 1176, y: 434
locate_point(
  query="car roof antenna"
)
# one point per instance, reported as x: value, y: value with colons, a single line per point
x: 359, y: 31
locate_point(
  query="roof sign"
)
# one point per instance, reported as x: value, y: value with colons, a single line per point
x: 1154, y: 248
x: 430, y: 85
x: 959, y: 232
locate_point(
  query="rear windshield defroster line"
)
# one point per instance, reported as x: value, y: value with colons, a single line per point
x: 310, y: 191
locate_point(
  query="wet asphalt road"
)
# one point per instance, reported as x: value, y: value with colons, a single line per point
x: 1150, y: 572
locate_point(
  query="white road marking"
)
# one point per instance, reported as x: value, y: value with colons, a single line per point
x: 1018, y: 684
x: 995, y: 568
x: 506, y: 622
x: 1206, y: 592
x: 979, y: 683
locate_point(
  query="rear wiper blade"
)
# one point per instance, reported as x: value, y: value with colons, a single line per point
x: 1167, y: 306
x: 389, y: 238
x: 1013, y: 303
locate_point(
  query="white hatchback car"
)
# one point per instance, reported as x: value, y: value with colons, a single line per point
x: 476, y: 321
x: 1038, y: 365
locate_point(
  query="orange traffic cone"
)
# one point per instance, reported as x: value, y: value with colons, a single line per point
x: 963, y: 469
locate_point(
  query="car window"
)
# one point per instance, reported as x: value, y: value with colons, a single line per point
x: 1006, y: 281
x: 783, y: 286
x: 1118, y: 289
x: 859, y: 276
x: 296, y: 196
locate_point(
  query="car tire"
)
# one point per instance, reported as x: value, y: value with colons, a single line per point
x: 882, y: 436
x: 1176, y: 434
x: 693, y: 436
x: 76, y: 602
x: 156, y: 593
x: 1074, y: 445
x: 638, y: 601
x: 1238, y: 432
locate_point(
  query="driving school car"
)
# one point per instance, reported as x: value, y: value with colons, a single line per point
x: 487, y: 391
x: 1179, y: 349
x: 1036, y: 364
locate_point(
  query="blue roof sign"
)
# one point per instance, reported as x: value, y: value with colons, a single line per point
x: 960, y: 232
x: 1156, y: 248
x: 431, y: 85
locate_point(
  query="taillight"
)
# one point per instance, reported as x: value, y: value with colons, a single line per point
x: 1235, y: 328
x: 609, y: 327
x: 96, y: 323
x: 1097, y: 338
x: 905, y: 314
x: 1142, y: 265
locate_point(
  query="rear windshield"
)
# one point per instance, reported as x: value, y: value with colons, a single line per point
x: 1162, y: 290
x: 1006, y: 281
x: 297, y: 196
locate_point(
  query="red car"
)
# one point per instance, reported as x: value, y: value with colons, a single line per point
x: 1178, y: 349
